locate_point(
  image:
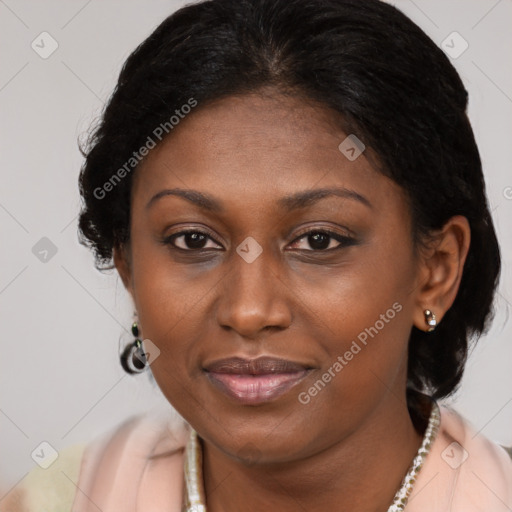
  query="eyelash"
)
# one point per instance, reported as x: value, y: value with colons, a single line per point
x: 344, y: 240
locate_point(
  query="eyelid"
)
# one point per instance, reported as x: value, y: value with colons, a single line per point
x: 322, y: 229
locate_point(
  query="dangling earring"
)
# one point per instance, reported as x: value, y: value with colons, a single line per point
x: 430, y: 320
x: 133, y: 358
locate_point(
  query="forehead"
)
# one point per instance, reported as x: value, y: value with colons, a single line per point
x: 257, y: 145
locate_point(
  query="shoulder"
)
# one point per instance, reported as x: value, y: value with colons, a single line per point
x: 486, y: 455
x: 52, y: 488
x: 464, y: 471
x: 135, y: 465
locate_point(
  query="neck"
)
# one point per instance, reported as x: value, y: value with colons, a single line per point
x: 346, y: 476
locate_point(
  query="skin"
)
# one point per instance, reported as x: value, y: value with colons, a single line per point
x: 295, y: 301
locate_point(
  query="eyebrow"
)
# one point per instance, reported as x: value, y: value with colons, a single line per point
x: 289, y: 203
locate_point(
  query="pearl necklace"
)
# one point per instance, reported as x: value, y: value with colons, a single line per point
x: 402, y: 495
x: 194, y: 499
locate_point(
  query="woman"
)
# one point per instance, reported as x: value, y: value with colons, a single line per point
x: 291, y: 193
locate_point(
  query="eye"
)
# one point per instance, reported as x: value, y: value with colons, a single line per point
x: 318, y: 240
x: 190, y: 240
x: 322, y: 240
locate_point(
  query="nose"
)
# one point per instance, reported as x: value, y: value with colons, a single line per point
x: 253, y: 298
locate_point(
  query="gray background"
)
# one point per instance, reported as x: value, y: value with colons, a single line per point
x: 62, y: 321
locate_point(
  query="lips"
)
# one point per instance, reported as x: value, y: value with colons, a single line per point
x: 261, y: 365
x: 254, y: 381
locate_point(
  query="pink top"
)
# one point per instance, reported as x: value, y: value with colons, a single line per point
x: 146, y: 463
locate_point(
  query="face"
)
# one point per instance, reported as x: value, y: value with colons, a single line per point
x: 291, y: 250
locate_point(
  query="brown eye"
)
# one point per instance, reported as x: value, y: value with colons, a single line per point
x: 190, y: 240
x: 323, y: 240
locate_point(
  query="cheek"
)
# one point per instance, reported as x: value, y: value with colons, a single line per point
x: 172, y: 308
x: 161, y: 305
x: 370, y: 293
x: 367, y: 346
x: 164, y: 292
x: 365, y: 361
x: 366, y: 312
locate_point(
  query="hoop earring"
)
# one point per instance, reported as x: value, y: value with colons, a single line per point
x: 133, y: 359
x: 430, y: 320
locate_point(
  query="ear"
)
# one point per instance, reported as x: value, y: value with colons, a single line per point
x: 122, y: 262
x: 441, y: 270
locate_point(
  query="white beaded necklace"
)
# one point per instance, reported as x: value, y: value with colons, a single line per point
x: 402, y: 495
x: 194, y: 499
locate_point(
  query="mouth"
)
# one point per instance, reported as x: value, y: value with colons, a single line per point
x: 255, y: 381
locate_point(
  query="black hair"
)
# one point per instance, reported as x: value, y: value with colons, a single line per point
x: 373, y: 67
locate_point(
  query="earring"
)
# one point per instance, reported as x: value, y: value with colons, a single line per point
x: 430, y: 320
x: 133, y: 358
